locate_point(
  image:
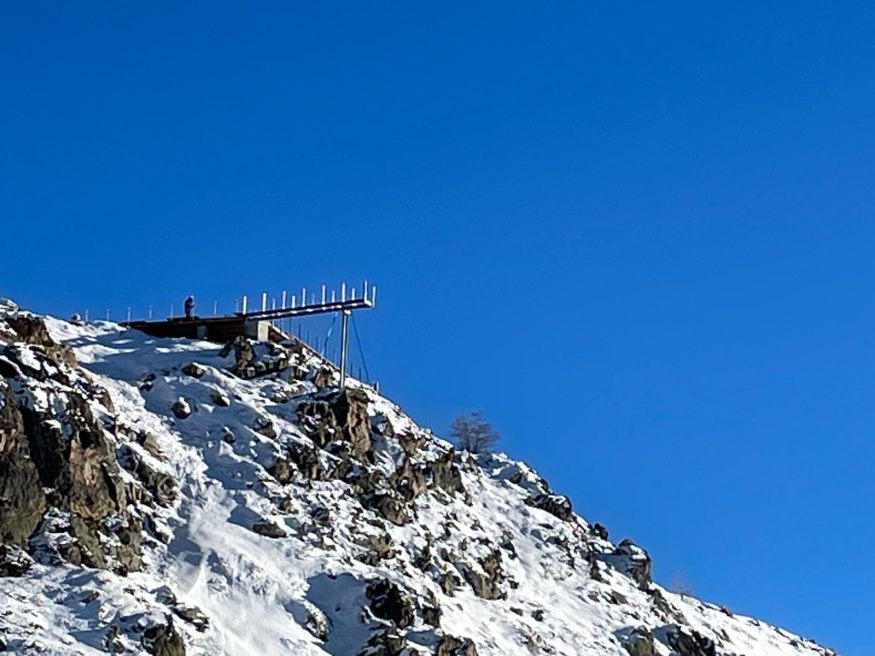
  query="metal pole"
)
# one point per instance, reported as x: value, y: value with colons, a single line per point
x: 150, y: 313
x: 263, y: 301
x: 374, y: 295
x: 215, y: 308
x: 283, y: 300
x: 323, y: 294
x: 344, y: 333
x: 343, y: 291
x: 303, y: 296
x: 129, y: 313
x: 243, y: 304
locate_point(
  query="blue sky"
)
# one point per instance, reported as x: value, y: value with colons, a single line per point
x: 639, y: 237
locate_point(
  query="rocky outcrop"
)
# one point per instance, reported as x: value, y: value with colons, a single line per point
x: 637, y: 641
x: 390, y: 603
x: 14, y: 561
x: 632, y: 560
x: 487, y: 577
x: 339, y: 415
x: 163, y: 640
x: 555, y: 504
x: 61, y: 489
x: 181, y: 408
x: 687, y: 642
x: 452, y: 646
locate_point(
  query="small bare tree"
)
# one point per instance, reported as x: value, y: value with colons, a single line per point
x: 473, y: 433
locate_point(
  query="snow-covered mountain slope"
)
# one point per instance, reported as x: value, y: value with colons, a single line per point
x: 153, y: 501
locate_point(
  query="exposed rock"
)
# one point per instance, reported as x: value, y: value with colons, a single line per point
x: 14, y: 561
x: 389, y: 507
x: 22, y: 500
x: 181, y: 409
x: 408, y: 480
x: 148, y: 442
x: 378, y: 546
x: 389, y: 602
x: 219, y: 398
x: 268, y: 529
x: 632, y: 560
x: 112, y: 640
x: 452, y: 646
x: 555, y: 504
x: 486, y: 580
x: 264, y: 425
x: 687, y: 642
x: 449, y: 583
x: 385, y: 642
x: 163, y: 640
x: 32, y: 330
x: 637, y: 641
x: 194, y: 370
x: 160, y: 484
x: 339, y: 415
x: 445, y: 474
x: 193, y: 615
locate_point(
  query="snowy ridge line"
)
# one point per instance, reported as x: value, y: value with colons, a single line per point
x: 195, y: 512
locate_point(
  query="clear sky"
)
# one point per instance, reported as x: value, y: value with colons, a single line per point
x: 639, y: 236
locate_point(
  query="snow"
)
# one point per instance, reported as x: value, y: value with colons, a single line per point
x: 261, y: 593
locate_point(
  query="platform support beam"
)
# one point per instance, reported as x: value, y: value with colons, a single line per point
x: 344, y: 338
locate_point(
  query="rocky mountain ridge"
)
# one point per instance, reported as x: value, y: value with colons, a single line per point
x: 172, y: 497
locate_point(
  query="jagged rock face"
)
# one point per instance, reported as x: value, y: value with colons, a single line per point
x: 56, y: 455
x: 631, y: 559
x: 389, y: 602
x: 163, y: 640
x: 687, y: 642
x: 22, y: 500
x: 339, y: 415
x: 284, y: 516
x: 637, y: 641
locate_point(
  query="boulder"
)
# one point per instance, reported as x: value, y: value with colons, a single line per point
x: 687, y: 642
x: 194, y: 370
x: 163, y: 640
x: 268, y: 529
x: 485, y: 580
x: 637, y: 641
x: 219, y: 398
x: 14, y: 561
x: 453, y: 646
x: 339, y: 415
x: 181, y: 409
x: 193, y: 615
x: 390, y: 603
x: 445, y: 474
x: 632, y: 560
x: 555, y: 504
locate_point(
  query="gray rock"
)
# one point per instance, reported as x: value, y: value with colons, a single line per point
x: 268, y: 529
x: 389, y: 602
x: 194, y: 370
x: 181, y: 409
x: 14, y: 561
x: 555, y: 504
x: 637, y: 641
x: 219, y: 398
x: 163, y: 640
x: 453, y: 646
